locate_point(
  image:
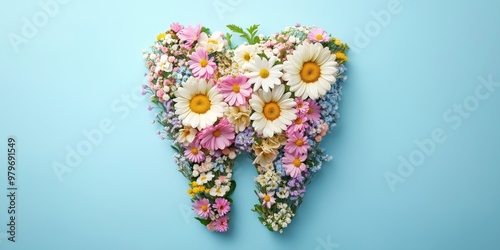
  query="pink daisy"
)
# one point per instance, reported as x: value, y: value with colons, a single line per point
x: 313, y: 114
x: 202, y: 208
x: 194, y: 153
x: 299, y: 125
x: 301, y: 106
x: 297, y: 144
x: 294, y: 164
x: 267, y: 199
x: 219, y: 136
x: 176, y: 27
x: 201, y: 65
x: 220, y: 225
x: 318, y: 35
x: 235, y: 89
x: 222, y: 205
x: 190, y: 34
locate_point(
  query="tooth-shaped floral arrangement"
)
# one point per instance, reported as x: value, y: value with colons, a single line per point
x: 274, y: 97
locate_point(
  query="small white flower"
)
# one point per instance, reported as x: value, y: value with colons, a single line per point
x: 212, y: 43
x: 219, y: 190
x: 283, y: 192
x: 195, y: 173
x: 204, y: 178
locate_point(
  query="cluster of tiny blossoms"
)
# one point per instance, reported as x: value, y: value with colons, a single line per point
x: 275, y: 97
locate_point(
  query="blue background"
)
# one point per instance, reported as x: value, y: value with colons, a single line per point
x: 83, y: 67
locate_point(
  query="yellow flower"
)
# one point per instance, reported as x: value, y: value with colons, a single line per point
x: 190, y: 192
x: 196, y: 190
x: 194, y: 184
x: 161, y: 36
x: 338, y: 42
x: 341, y: 57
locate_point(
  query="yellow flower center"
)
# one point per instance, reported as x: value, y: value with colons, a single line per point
x: 216, y: 133
x: 203, y: 63
x: 319, y: 37
x: 297, y: 162
x: 236, y: 88
x: 212, y: 41
x: 299, y: 143
x: 271, y: 111
x: 204, y: 208
x: 246, y: 56
x: 267, y: 198
x: 200, y: 104
x: 264, y: 73
x: 194, y: 151
x: 298, y: 121
x: 310, y: 72
x: 203, y: 177
x: 310, y: 111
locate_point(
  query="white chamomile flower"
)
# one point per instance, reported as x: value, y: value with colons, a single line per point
x: 310, y: 70
x: 273, y: 111
x: 199, y: 103
x: 244, y: 55
x: 264, y: 73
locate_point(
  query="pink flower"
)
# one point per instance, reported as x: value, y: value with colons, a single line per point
x: 318, y: 35
x: 201, y: 66
x: 297, y: 144
x: 222, y: 205
x: 190, y: 34
x: 219, y: 136
x: 220, y: 225
x: 301, y: 106
x: 294, y: 164
x: 202, y: 208
x: 235, y: 89
x: 194, y: 153
x: 299, y: 125
x: 267, y: 199
x: 211, y: 226
x: 313, y: 114
x: 176, y: 27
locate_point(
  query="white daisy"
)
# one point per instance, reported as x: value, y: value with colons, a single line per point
x: 199, y: 103
x: 310, y: 70
x: 274, y: 111
x: 264, y: 73
x: 244, y: 55
x: 212, y: 43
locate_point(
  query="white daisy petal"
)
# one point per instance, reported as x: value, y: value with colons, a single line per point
x: 310, y: 70
x: 199, y: 103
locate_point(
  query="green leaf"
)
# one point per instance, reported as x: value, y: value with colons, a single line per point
x: 203, y: 221
x: 229, y: 42
x: 206, y: 30
x: 175, y: 148
x: 231, y: 190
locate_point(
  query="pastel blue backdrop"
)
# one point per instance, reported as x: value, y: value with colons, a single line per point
x: 416, y: 162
